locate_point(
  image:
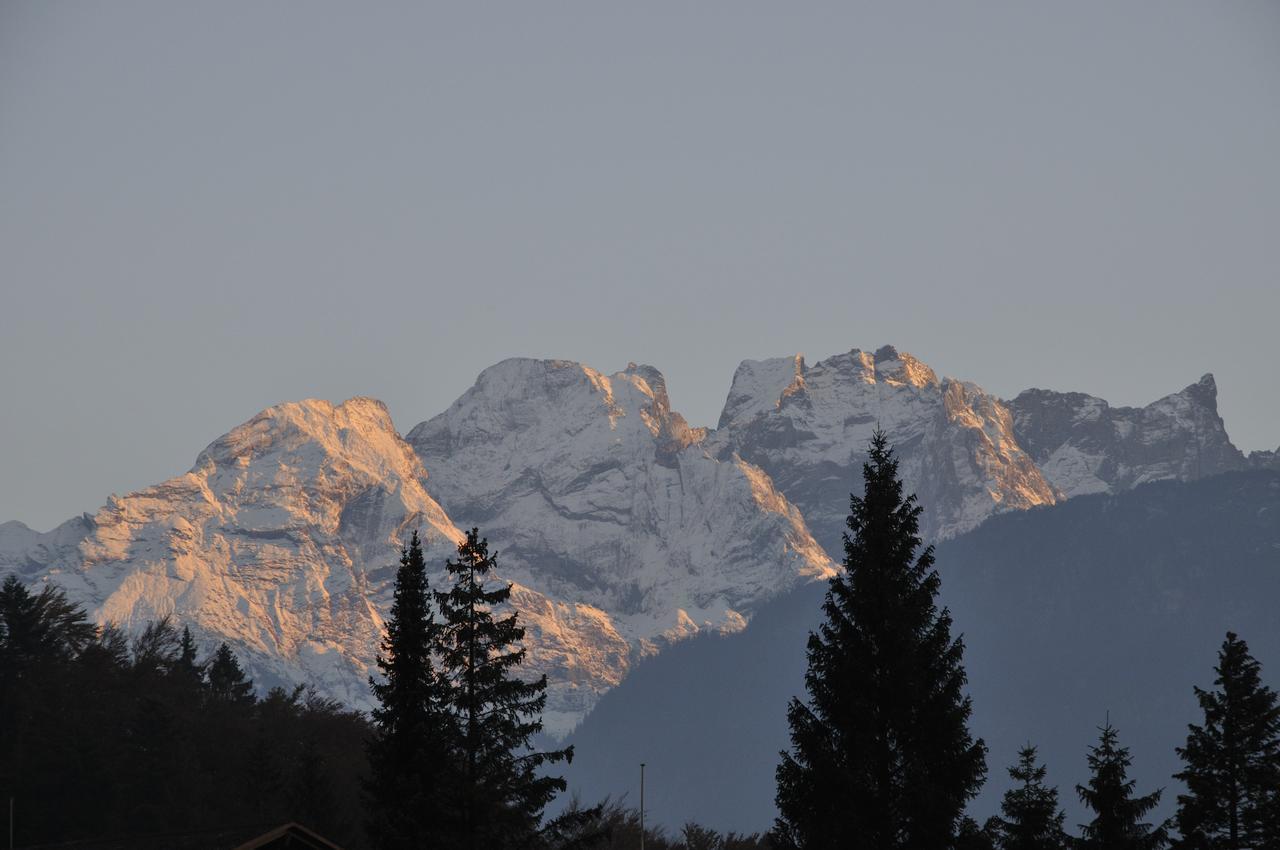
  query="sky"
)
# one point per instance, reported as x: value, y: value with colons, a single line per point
x: 206, y: 209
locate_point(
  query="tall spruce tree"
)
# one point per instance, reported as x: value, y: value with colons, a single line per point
x: 502, y: 794
x: 1117, y: 822
x: 412, y: 755
x: 881, y: 753
x: 1032, y: 819
x: 1232, y: 761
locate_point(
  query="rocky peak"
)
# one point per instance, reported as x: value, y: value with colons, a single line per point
x: 808, y: 428
x: 1084, y: 445
x: 616, y: 507
x: 280, y: 540
x: 894, y: 367
x: 1204, y: 391
x: 761, y: 385
x: 672, y: 431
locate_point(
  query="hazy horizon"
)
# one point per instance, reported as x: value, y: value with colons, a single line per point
x: 207, y: 211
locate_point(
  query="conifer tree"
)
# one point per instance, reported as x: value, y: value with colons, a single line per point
x: 497, y: 714
x: 186, y: 664
x: 1032, y: 819
x: 881, y: 753
x: 412, y: 754
x: 970, y: 835
x: 227, y: 682
x: 1117, y: 822
x: 188, y: 673
x: 1232, y: 761
x: 39, y: 628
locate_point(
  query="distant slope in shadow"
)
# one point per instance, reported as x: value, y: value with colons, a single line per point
x: 1100, y: 604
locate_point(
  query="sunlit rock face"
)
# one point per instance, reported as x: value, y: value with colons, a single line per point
x: 598, y: 494
x: 808, y: 427
x: 281, y: 540
x: 1083, y: 445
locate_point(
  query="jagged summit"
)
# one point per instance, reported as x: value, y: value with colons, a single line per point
x: 1084, y: 445
x: 892, y: 366
x: 760, y: 386
x: 808, y: 428
x: 603, y: 495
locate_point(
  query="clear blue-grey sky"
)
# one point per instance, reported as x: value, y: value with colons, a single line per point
x: 209, y: 208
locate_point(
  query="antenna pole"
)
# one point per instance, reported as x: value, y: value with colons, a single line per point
x: 641, y: 805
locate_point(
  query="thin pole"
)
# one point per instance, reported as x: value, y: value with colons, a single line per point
x: 641, y: 805
x: 11, y: 822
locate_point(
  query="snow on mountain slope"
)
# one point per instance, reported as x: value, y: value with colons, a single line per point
x: 280, y: 540
x: 1083, y: 445
x: 596, y: 492
x: 23, y: 550
x: 808, y: 428
x: 622, y: 528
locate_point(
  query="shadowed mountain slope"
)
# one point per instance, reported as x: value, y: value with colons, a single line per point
x: 1108, y: 603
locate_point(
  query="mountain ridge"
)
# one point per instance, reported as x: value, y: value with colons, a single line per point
x: 623, y: 528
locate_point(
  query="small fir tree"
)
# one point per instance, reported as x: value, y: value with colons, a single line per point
x: 1032, y: 819
x: 412, y: 753
x: 1232, y: 761
x: 502, y: 792
x: 186, y: 666
x: 1117, y: 822
x: 881, y: 753
x: 227, y: 682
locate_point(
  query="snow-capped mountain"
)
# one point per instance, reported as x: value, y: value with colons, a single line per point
x: 595, y: 491
x: 1083, y: 445
x: 808, y: 427
x: 280, y: 540
x: 621, y: 527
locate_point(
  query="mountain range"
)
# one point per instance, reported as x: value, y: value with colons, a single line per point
x: 623, y: 529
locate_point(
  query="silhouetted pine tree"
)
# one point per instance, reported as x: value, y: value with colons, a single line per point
x: 186, y: 666
x: 970, y: 835
x: 881, y: 754
x: 411, y: 790
x: 39, y: 628
x: 41, y: 635
x: 1269, y: 820
x: 1032, y: 819
x: 502, y: 794
x: 1117, y: 823
x: 227, y: 682
x: 1232, y: 762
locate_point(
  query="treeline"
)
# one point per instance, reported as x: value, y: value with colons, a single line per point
x: 105, y: 736
x: 102, y: 735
